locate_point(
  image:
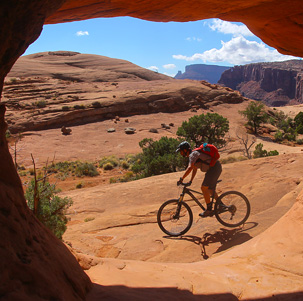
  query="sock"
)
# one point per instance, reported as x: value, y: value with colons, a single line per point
x: 209, y: 206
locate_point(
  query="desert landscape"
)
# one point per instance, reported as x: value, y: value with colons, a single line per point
x: 113, y: 231
x: 99, y: 260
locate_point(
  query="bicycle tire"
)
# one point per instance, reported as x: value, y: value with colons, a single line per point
x: 232, y: 209
x: 171, y: 224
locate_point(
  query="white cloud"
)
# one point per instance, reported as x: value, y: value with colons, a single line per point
x: 169, y: 66
x: 193, y: 39
x: 229, y: 28
x: 238, y: 51
x: 82, y: 33
x: 153, y: 68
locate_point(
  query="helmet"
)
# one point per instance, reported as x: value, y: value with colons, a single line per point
x: 183, y: 145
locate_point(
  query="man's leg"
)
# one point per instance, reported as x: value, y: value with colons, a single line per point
x: 207, y: 193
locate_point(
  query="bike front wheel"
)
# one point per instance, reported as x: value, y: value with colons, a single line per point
x: 174, y: 217
x: 232, y: 209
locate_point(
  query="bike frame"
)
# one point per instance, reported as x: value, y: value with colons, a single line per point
x: 190, y: 193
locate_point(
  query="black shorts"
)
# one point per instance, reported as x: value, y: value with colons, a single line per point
x: 212, y: 176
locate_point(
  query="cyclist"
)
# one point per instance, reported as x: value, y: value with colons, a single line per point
x: 201, y: 160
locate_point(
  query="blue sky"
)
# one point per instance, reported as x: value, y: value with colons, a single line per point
x: 162, y: 47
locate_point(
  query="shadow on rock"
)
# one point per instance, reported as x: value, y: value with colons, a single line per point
x: 123, y: 293
x: 226, y: 237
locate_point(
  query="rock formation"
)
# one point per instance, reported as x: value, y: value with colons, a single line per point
x: 210, y: 73
x: 277, y: 83
x: 71, y: 88
x: 33, y: 261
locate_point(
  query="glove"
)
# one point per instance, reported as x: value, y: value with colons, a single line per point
x: 179, y: 182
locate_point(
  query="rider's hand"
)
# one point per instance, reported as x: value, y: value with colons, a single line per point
x: 180, y: 181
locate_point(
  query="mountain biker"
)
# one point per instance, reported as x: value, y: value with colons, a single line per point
x: 201, y: 160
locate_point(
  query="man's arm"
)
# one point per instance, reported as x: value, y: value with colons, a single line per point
x: 190, y: 168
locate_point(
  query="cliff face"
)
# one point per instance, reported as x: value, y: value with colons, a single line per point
x: 210, y: 73
x: 277, y: 84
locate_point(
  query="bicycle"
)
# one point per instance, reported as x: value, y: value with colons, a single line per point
x: 175, y: 216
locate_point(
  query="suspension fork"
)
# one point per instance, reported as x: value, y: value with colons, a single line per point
x: 179, y: 205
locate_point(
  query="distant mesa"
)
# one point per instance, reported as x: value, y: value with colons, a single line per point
x: 275, y: 83
x: 210, y: 73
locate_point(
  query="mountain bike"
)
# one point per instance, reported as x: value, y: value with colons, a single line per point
x: 175, y: 216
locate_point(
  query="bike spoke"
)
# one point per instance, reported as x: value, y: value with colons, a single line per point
x: 174, y: 218
x: 232, y: 209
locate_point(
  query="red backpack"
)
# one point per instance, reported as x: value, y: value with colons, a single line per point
x: 210, y: 150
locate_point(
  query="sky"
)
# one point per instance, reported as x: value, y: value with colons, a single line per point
x: 163, y: 47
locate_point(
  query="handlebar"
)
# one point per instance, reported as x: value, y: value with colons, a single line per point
x: 184, y: 184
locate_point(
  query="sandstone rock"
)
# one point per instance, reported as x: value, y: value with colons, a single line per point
x: 153, y: 130
x: 129, y: 130
x: 66, y: 131
x: 111, y: 130
x: 165, y: 126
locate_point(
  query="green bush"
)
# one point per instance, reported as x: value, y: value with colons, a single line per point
x: 279, y: 136
x: 210, y: 128
x: 255, y: 115
x: 51, y: 208
x: 41, y: 103
x: 65, y: 108
x: 125, y: 164
x: 86, y: 169
x: 8, y: 134
x: 79, y: 107
x: 108, y: 166
x: 259, y: 152
x: 158, y: 157
x: 96, y: 104
x: 110, y: 159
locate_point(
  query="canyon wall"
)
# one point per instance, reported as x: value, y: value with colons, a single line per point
x: 277, y: 83
x: 210, y: 73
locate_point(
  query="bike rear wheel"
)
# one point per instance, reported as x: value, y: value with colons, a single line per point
x: 174, y: 218
x: 232, y: 209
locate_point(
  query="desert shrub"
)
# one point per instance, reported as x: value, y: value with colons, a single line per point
x: 113, y: 180
x: 300, y: 141
x: 110, y: 159
x: 40, y: 103
x: 79, y: 107
x: 96, y: 104
x: 255, y: 115
x: 210, y: 128
x: 259, y: 152
x: 79, y: 185
x: 8, y: 134
x: 129, y: 176
x: 124, y: 164
x: 51, y: 208
x: 88, y: 219
x: 158, y: 157
x: 108, y: 166
x: 272, y: 153
x: 86, y: 169
x: 278, y: 136
x: 65, y: 108
x: 298, y: 120
x: 299, y: 129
